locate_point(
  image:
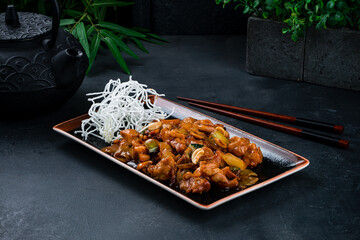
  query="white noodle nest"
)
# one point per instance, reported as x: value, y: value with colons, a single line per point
x: 122, y: 105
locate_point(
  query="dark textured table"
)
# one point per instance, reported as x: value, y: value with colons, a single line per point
x: 53, y: 188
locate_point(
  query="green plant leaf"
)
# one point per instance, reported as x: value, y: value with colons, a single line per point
x: 285, y: 30
x: 110, y: 3
x: 80, y: 29
x: 288, y: 6
x: 294, y: 36
x: 94, y: 47
x: 139, y: 29
x: 68, y: 21
x: 341, y: 5
x: 156, y: 37
x: 90, y: 30
x: 269, y: 4
x: 339, y: 17
x: 123, y: 47
x: 85, y: 2
x: 72, y: 13
x: 120, y: 29
x: 322, y: 21
x: 265, y: 14
x: 151, y: 41
x: 139, y: 44
x: 74, y: 32
x: 41, y: 7
x: 116, y: 53
x: 330, y: 4
x: 237, y: 6
x: 246, y: 9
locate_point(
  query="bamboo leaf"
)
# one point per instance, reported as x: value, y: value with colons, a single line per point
x: 120, y: 29
x: 152, y: 41
x: 74, y: 33
x: 111, y: 4
x: 116, y: 53
x: 102, y: 12
x: 156, y: 37
x: 80, y: 28
x: 65, y: 22
x: 123, y: 47
x: 139, y: 44
x: 72, y: 13
x: 94, y: 47
x: 85, y: 2
x: 139, y: 29
x: 41, y: 7
x: 89, y: 31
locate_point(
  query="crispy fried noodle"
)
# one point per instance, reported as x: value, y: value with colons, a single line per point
x: 122, y: 105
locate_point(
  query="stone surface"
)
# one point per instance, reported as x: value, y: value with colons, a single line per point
x: 54, y: 188
x: 271, y: 53
x: 332, y: 58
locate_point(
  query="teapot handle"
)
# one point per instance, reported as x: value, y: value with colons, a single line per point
x: 55, y: 22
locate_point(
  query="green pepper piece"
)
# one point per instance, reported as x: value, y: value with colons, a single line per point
x: 152, y: 145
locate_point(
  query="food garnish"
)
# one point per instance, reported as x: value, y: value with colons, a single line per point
x: 122, y: 105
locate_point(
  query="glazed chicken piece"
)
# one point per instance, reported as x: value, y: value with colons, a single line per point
x: 253, y: 156
x: 238, y: 146
x: 129, y: 135
x: 194, y: 183
x: 175, y: 139
x: 170, y: 123
x: 216, y: 175
x: 163, y: 170
x: 111, y: 149
x: 124, y: 151
x: 205, y: 126
x: 241, y: 147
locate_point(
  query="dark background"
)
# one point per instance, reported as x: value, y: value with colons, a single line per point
x: 167, y: 17
x: 188, y: 17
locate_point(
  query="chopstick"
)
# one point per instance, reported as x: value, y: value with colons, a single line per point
x: 283, y: 128
x: 284, y: 118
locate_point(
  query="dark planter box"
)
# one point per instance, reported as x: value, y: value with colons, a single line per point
x: 332, y: 58
x: 273, y: 54
x: 326, y: 57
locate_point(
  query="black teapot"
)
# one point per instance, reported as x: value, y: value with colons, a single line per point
x: 41, y: 65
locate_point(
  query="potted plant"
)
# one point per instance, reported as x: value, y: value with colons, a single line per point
x: 315, y: 41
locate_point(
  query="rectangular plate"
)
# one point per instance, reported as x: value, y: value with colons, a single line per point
x: 277, y: 163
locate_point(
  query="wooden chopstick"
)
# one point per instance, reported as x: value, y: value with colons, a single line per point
x: 291, y: 130
x: 295, y: 120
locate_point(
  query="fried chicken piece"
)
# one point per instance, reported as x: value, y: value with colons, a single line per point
x: 110, y: 149
x: 175, y: 139
x: 205, y: 125
x: 216, y: 175
x: 170, y: 123
x: 253, y: 156
x: 163, y: 170
x: 188, y: 120
x: 124, y: 150
x: 249, y: 152
x: 238, y: 146
x: 194, y: 183
x: 129, y: 135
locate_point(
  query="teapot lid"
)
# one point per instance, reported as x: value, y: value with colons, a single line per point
x: 22, y: 26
